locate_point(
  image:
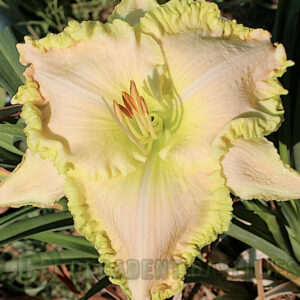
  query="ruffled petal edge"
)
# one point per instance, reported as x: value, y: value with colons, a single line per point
x: 95, y: 232
x: 176, y: 17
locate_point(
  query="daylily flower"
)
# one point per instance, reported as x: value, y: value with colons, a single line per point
x: 152, y: 120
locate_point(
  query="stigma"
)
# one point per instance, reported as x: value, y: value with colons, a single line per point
x: 134, y: 115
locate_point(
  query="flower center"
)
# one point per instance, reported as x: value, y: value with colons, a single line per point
x: 141, y: 126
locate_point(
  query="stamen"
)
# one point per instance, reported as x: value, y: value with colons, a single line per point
x: 134, y: 93
x: 118, y: 112
x: 125, y: 111
x: 127, y: 105
x: 129, y: 134
x: 133, y: 130
x: 136, y: 120
x: 141, y: 126
x: 130, y: 101
x: 144, y: 106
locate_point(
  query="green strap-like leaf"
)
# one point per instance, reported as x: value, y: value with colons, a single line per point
x: 258, y: 227
x: 17, y: 215
x: 9, y: 135
x: 294, y: 242
x: 16, y: 130
x: 291, y: 216
x: 101, y: 284
x: 27, y: 227
x: 31, y: 262
x: 2, y: 97
x: 280, y: 257
x: 207, y: 275
x: 10, y: 68
x: 271, y: 221
x: 67, y: 241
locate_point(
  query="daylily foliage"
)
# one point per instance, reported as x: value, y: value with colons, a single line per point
x: 152, y: 120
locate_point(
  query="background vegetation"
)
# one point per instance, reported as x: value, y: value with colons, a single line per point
x: 43, y: 257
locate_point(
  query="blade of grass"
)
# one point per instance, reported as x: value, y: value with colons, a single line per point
x: 271, y: 221
x: 258, y: 224
x: 13, y: 129
x: 294, y: 242
x: 11, y: 70
x: 2, y: 97
x: 42, y: 260
x: 204, y: 273
x: 101, y: 284
x: 218, y: 281
x: 291, y: 216
x: 254, y: 228
x: 280, y: 257
x: 291, y: 277
x: 7, y: 142
x: 17, y: 214
x: 27, y: 227
x: 66, y: 241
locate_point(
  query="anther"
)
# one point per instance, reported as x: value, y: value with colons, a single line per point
x: 130, y: 101
x: 134, y: 93
x: 144, y: 106
x: 135, y: 119
x: 118, y: 112
x: 125, y: 111
x: 127, y: 105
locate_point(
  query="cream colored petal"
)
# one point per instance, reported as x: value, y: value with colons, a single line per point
x: 160, y: 213
x: 34, y: 182
x: 224, y: 75
x: 253, y: 169
x: 70, y: 73
x: 132, y: 10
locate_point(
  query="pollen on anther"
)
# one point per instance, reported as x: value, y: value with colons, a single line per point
x: 135, y: 118
x: 129, y: 108
x: 118, y: 112
x: 144, y: 106
x: 134, y: 94
x: 125, y: 111
x: 130, y: 101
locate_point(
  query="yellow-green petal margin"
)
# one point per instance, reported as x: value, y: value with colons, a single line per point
x: 132, y: 10
x: 94, y: 231
x: 215, y: 220
x: 172, y: 18
x: 182, y: 16
x: 36, y: 109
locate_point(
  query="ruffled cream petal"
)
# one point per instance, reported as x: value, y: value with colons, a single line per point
x: 162, y: 213
x: 224, y: 74
x: 219, y: 83
x: 34, y: 182
x: 70, y: 74
x: 253, y: 169
x: 132, y: 10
